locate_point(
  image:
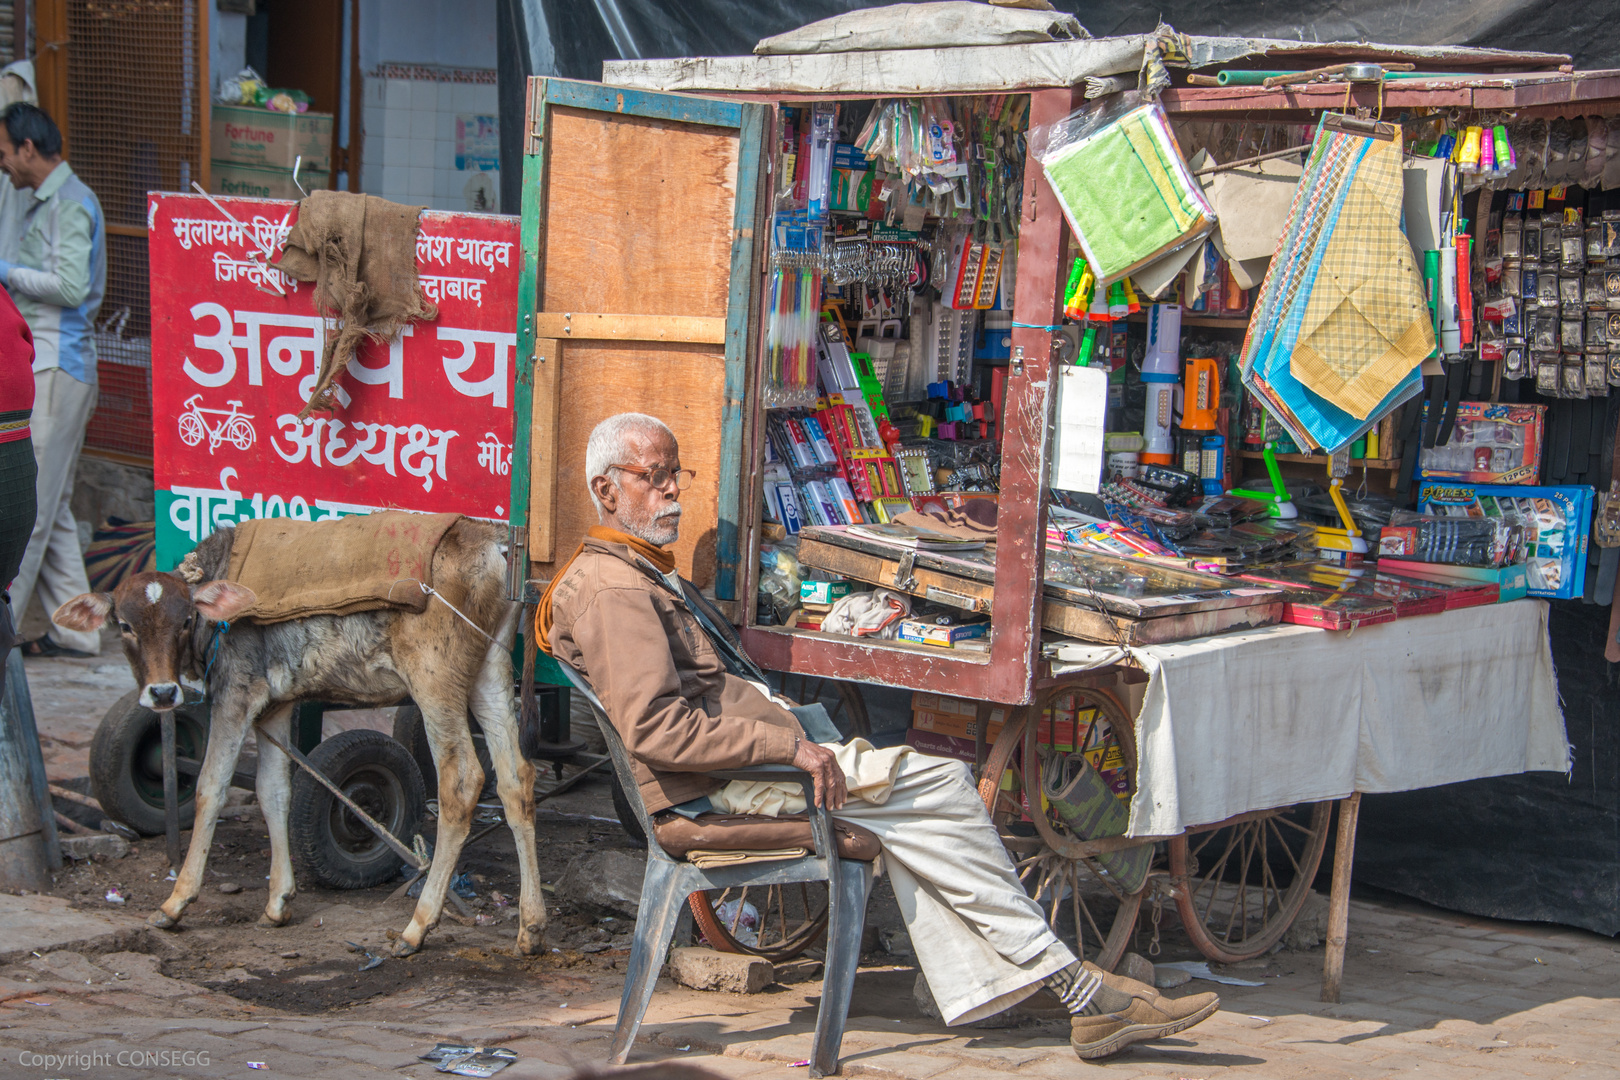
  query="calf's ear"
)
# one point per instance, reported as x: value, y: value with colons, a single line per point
x: 87, y: 611
x: 223, y: 601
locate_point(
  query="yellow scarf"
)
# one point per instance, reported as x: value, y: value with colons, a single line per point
x: 661, y: 560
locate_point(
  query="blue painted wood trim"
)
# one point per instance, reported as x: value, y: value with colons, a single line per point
x: 739, y: 320
x: 614, y: 99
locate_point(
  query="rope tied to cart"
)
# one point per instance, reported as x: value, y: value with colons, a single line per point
x: 435, y: 594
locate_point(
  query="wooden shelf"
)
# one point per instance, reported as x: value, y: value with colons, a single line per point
x: 1385, y: 464
x: 1203, y: 322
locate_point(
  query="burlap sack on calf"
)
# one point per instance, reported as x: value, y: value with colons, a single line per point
x: 337, y: 567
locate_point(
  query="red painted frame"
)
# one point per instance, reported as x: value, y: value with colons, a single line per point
x: 1014, y: 663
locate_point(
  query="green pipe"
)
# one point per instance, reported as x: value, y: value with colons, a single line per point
x: 1255, y: 78
x: 1247, y: 78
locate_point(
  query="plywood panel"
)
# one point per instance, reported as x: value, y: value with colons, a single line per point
x: 638, y: 215
x: 682, y: 385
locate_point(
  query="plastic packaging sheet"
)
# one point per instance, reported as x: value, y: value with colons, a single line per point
x: 1122, y: 182
x: 1339, y: 327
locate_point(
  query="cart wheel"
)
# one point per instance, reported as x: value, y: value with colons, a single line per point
x: 1245, y: 882
x: 627, y: 816
x: 126, y: 763
x: 1085, y: 906
x: 842, y: 700
x: 411, y: 732
x: 789, y: 918
x: 333, y: 846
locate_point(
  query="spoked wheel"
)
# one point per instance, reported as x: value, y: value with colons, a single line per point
x: 842, y: 700
x: 777, y: 922
x: 1086, y: 904
x: 1240, y: 885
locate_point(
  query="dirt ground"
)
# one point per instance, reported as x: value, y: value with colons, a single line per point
x: 309, y: 966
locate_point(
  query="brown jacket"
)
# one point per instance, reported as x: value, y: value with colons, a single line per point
x: 664, y: 686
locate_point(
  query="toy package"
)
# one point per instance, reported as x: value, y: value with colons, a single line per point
x: 1556, y: 522
x: 1492, y: 444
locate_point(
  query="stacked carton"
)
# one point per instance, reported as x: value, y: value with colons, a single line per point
x: 253, y: 151
x: 948, y: 727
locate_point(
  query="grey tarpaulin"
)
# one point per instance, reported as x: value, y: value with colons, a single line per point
x: 572, y: 38
x: 933, y: 24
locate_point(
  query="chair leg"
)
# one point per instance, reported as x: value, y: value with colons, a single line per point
x: 846, y: 919
x: 661, y: 903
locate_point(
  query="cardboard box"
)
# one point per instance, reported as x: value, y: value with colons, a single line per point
x: 940, y: 703
x: 956, y: 727
x: 946, y: 746
x: 1557, y: 522
x: 1511, y: 580
x: 227, y: 178
x: 822, y: 592
x: 943, y: 637
x: 244, y: 136
x: 1492, y: 444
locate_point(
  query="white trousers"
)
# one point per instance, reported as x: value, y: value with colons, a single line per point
x: 981, y: 941
x: 53, y: 564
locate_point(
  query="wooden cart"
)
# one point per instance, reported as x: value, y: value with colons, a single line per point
x: 645, y: 220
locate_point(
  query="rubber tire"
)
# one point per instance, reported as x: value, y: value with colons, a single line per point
x: 120, y: 765
x: 380, y: 768
x: 411, y: 733
x: 627, y: 816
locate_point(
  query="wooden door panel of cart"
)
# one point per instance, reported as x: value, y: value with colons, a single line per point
x: 638, y: 222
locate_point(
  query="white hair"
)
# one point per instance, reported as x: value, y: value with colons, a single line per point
x: 608, y: 444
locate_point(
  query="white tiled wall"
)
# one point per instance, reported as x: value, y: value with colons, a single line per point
x: 409, y: 153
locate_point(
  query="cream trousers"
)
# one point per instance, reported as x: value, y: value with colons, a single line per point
x: 54, y: 564
x: 981, y: 941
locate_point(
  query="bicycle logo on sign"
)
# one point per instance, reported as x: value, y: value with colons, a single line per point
x: 233, y: 427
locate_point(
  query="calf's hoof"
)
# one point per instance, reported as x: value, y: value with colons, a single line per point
x: 403, y: 948
x: 162, y: 920
x: 271, y: 922
x: 531, y: 940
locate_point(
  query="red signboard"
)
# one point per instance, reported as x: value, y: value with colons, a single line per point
x: 424, y: 421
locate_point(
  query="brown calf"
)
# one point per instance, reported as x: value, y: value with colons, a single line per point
x: 256, y: 674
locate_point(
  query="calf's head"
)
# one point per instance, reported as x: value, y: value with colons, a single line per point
x: 156, y: 615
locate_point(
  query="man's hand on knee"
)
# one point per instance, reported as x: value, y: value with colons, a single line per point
x: 822, y: 766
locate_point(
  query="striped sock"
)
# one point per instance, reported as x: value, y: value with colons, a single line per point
x: 1083, y: 993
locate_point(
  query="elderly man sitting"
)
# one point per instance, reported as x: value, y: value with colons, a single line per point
x: 618, y: 613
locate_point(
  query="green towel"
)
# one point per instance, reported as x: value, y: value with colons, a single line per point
x: 1127, y: 193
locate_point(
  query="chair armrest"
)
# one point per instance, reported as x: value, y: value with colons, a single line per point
x: 761, y: 772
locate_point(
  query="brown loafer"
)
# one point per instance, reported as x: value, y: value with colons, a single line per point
x: 1099, y: 1036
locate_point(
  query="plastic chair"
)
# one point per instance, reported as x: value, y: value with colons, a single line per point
x: 670, y: 881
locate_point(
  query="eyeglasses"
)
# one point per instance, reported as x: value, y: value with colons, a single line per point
x: 660, y: 477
